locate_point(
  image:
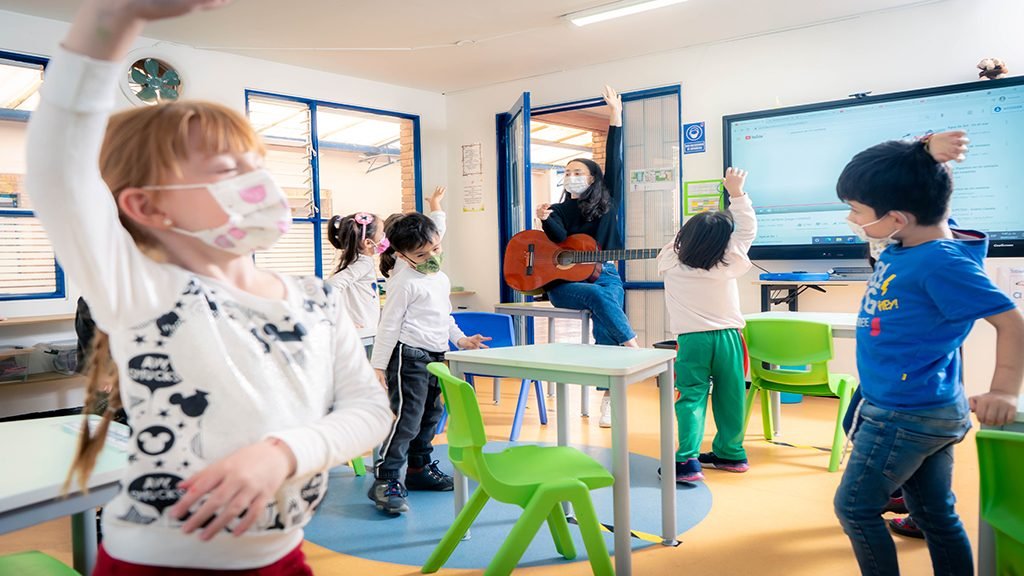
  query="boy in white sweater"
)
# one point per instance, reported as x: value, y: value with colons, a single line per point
x: 415, y: 328
x: 700, y: 268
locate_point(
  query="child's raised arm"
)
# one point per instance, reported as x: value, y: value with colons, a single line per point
x: 436, y: 198
x: 741, y: 209
x: 946, y: 146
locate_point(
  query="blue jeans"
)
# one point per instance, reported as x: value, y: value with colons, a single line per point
x: 604, y: 298
x: 913, y: 450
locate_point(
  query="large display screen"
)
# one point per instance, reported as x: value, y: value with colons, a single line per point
x: 795, y: 156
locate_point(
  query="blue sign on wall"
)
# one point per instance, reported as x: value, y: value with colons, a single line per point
x: 693, y: 138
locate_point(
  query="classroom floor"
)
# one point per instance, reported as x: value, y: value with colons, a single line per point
x: 776, y: 519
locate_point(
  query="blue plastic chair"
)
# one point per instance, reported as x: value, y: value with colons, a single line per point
x: 499, y: 328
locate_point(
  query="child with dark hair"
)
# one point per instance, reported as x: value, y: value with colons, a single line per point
x: 416, y: 326
x: 928, y: 288
x: 357, y: 238
x: 702, y: 299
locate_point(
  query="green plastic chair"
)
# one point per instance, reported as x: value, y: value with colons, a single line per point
x: 1001, y: 459
x: 358, y: 466
x: 536, y: 478
x: 776, y: 343
x: 33, y: 564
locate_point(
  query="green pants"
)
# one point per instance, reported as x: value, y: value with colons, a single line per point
x: 702, y: 356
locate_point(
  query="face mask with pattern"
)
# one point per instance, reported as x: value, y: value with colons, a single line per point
x: 258, y: 213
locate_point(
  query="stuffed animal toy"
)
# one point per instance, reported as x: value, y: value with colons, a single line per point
x: 992, y: 68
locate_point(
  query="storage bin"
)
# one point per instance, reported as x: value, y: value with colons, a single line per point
x: 14, y: 363
x: 60, y: 356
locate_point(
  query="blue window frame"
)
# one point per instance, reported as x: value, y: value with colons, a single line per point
x: 28, y: 268
x: 316, y: 220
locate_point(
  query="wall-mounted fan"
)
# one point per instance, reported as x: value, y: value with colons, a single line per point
x: 151, y: 81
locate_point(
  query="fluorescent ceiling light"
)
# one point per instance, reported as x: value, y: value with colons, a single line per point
x: 617, y: 10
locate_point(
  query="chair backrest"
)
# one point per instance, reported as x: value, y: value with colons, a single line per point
x: 498, y: 327
x: 791, y: 352
x: 466, y: 436
x: 1001, y: 460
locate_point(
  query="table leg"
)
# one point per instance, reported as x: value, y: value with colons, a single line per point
x: 461, y: 481
x: 620, y: 470
x: 83, y: 541
x: 766, y: 297
x: 666, y: 387
x: 986, y: 548
x: 562, y: 416
x: 551, y: 338
x: 585, y: 391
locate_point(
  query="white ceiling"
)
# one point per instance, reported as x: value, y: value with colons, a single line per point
x: 502, y: 39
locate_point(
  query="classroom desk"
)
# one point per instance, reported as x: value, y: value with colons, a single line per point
x: 793, y: 290
x: 547, y: 310
x: 844, y: 325
x: 986, y: 535
x: 614, y: 367
x: 37, y: 455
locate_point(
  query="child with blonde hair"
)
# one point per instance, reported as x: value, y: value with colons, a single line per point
x: 242, y: 387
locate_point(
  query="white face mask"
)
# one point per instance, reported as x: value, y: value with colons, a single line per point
x: 257, y: 209
x: 877, y: 245
x: 575, y: 185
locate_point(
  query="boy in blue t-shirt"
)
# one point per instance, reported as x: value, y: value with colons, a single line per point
x: 928, y: 288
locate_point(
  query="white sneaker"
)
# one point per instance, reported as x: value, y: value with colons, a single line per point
x: 606, y: 413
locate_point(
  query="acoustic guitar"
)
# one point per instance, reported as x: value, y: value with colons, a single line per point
x: 532, y: 261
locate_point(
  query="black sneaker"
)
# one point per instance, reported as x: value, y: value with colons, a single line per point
x: 389, y: 496
x: 687, y: 472
x: 711, y: 461
x: 430, y: 478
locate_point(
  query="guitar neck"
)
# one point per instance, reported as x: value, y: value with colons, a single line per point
x: 578, y: 257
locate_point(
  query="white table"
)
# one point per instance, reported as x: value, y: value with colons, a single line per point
x: 986, y: 535
x: 793, y: 288
x: 614, y: 367
x: 844, y: 325
x: 37, y: 455
x: 548, y: 310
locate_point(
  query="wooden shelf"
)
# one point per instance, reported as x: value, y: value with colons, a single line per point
x: 47, y: 377
x: 24, y: 320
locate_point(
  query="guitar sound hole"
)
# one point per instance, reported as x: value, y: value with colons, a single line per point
x: 564, y: 259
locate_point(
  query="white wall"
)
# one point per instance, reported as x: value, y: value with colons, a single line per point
x: 223, y: 78
x: 929, y: 45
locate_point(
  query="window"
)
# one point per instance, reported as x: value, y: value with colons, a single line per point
x: 28, y: 267
x: 332, y: 159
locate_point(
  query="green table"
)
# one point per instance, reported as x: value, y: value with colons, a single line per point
x: 37, y: 455
x: 612, y: 367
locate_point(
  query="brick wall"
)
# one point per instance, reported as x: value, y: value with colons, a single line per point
x: 408, y: 160
x: 599, y: 141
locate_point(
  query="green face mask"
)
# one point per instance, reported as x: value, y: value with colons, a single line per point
x: 431, y: 265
